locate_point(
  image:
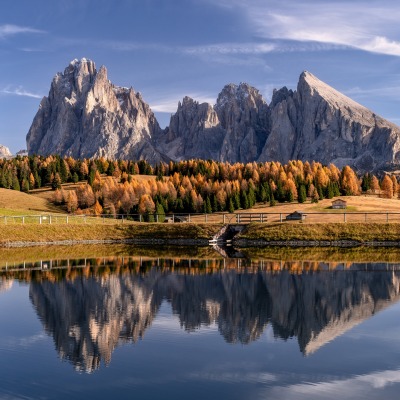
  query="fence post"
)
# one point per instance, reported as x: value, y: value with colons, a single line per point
x: 50, y: 219
x: 189, y: 218
x: 67, y: 219
x: 205, y: 217
x: 344, y: 216
x: 140, y: 217
x: 238, y: 218
x: 387, y: 217
x: 280, y: 217
x: 40, y: 219
x: 224, y: 219
x: 23, y: 220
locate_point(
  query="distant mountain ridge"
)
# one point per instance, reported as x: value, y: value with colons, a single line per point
x: 5, y: 152
x: 85, y: 115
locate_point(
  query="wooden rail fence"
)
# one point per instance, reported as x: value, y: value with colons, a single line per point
x: 225, y: 218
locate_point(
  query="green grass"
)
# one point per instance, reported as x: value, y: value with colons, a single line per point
x: 18, y: 255
x: 61, y: 232
x: 324, y: 254
x: 317, y: 232
x: 332, y: 210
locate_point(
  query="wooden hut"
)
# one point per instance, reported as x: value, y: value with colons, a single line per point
x: 296, y: 216
x: 339, y: 204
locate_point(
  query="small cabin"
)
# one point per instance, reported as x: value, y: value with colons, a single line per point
x: 339, y: 204
x: 296, y: 216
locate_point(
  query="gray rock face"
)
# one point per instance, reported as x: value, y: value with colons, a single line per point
x: 316, y: 122
x: 89, y: 317
x: 233, y: 130
x: 194, y: 132
x: 85, y: 115
x: 244, y: 116
x: 5, y: 152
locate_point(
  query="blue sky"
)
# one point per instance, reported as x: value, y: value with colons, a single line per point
x: 167, y: 49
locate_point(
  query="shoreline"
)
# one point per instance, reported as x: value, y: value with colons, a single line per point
x: 186, y: 234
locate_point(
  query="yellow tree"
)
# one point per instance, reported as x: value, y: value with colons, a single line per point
x: 387, y: 187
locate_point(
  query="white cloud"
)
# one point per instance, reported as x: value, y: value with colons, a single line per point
x: 19, y: 91
x: 230, y: 48
x: 370, y: 26
x: 169, y: 104
x: 367, y: 386
x: 10, y: 30
x: 392, y: 92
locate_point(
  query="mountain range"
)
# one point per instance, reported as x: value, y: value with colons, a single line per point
x: 89, y: 318
x: 85, y: 115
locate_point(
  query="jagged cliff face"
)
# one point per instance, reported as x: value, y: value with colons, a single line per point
x: 89, y: 317
x: 233, y: 130
x: 85, y: 115
x: 194, y: 132
x: 316, y: 122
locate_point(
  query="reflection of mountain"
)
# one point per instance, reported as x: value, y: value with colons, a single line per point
x: 5, y: 284
x: 89, y: 317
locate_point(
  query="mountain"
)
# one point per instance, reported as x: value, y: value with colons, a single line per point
x: 89, y: 317
x: 5, y: 152
x: 85, y: 115
x: 316, y: 122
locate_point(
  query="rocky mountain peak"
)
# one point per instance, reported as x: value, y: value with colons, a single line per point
x: 5, y: 152
x: 310, y: 85
x: 85, y: 116
x: 238, y: 95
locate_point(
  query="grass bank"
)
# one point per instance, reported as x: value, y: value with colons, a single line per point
x: 63, y: 232
x: 359, y: 254
x: 18, y: 255
x: 359, y: 232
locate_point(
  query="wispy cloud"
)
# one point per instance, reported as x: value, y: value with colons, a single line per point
x: 169, y: 104
x: 20, y: 91
x: 392, y: 92
x: 371, y: 27
x: 230, y: 48
x: 367, y: 386
x: 10, y: 30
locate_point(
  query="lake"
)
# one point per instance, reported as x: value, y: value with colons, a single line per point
x: 188, y: 327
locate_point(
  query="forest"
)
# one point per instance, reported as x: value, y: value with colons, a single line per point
x: 101, y: 186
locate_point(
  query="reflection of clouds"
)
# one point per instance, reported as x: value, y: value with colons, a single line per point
x: 358, y: 387
x: 14, y: 343
x: 5, y: 284
x: 234, y: 377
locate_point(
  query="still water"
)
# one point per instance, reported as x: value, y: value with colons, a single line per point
x: 128, y: 327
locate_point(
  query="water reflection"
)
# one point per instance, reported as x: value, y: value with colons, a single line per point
x: 90, y: 311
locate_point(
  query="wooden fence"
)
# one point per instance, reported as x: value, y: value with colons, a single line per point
x: 224, y: 218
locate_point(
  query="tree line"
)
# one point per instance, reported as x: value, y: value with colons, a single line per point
x: 112, y: 187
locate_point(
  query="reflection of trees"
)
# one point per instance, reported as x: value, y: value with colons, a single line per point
x: 89, y: 317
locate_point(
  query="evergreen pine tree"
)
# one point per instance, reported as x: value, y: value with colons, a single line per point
x: 231, y: 207
x: 15, y: 183
x: 302, y: 196
x: 160, y: 212
x: 244, y: 201
x: 25, y: 185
